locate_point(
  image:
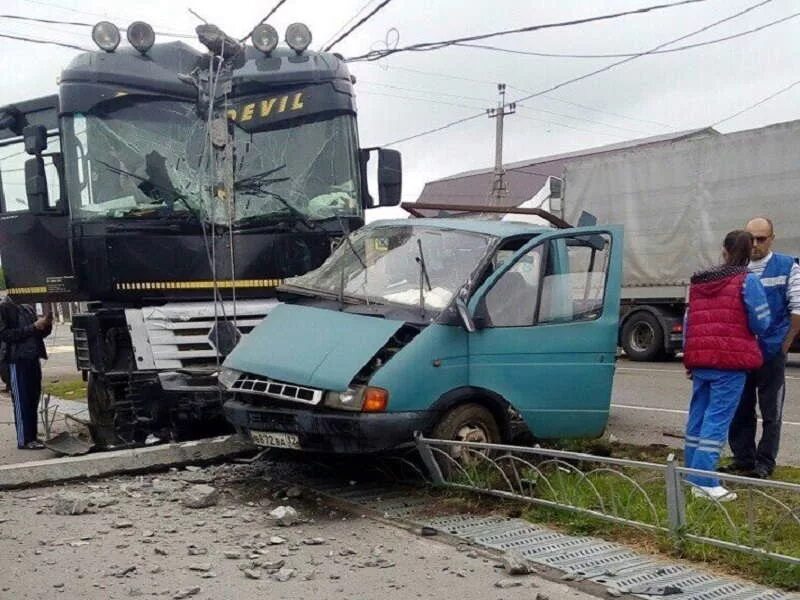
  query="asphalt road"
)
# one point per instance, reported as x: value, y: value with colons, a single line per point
x: 650, y: 401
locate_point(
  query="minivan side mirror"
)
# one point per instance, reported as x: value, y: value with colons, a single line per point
x: 463, y: 313
x: 36, y: 185
x: 390, y: 177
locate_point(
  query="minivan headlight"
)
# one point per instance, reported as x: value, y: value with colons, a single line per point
x: 227, y: 377
x: 350, y: 399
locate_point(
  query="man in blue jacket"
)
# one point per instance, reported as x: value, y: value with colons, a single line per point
x: 780, y: 276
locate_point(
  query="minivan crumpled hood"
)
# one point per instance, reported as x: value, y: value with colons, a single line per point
x: 308, y: 346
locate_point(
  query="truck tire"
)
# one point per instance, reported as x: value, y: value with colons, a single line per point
x: 643, y: 337
x: 469, y: 423
x: 101, y: 412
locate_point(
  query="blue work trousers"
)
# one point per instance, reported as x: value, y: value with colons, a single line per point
x: 715, y: 396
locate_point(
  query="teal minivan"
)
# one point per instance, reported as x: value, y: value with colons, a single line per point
x: 462, y: 329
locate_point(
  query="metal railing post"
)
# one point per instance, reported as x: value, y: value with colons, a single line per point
x: 676, y: 502
x: 427, y: 457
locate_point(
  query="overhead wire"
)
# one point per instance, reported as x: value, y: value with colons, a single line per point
x: 632, y: 54
x: 84, y: 24
x: 350, y: 20
x: 759, y: 103
x: 50, y: 42
x: 427, y: 46
x: 586, y: 75
x: 640, y: 54
x: 358, y: 24
x: 271, y: 12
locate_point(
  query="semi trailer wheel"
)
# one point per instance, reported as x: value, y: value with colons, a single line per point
x: 643, y: 337
x: 101, y: 412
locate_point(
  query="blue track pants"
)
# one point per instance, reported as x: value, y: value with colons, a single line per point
x: 715, y: 396
x: 26, y: 387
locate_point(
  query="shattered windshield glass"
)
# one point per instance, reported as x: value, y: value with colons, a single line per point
x: 138, y: 157
x: 384, y: 264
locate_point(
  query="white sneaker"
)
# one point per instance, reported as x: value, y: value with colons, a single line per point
x: 717, y: 492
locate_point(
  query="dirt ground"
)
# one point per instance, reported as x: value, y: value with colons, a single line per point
x: 135, y: 537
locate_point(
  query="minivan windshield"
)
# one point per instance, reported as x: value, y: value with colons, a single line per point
x: 385, y: 264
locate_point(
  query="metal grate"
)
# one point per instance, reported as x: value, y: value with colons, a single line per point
x: 82, y: 359
x: 253, y: 384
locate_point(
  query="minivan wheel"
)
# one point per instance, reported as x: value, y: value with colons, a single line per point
x: 465, y: 423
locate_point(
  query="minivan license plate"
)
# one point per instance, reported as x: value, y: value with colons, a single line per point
x: 275, y: 439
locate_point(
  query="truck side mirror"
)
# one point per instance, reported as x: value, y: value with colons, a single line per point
x: 36, y: 185
x: 390, y: 177
x: 35, y: 137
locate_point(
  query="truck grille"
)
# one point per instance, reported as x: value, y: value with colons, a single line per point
x: 253, y: 384
x: 81, y: 349
x: 176, y: 335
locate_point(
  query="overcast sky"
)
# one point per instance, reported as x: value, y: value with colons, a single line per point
x: 649, y: 95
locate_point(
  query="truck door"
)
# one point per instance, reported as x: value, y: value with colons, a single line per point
x: 548, y: 330
x: 34, y: 248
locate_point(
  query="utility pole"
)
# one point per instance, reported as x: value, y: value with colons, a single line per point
x: 499, y: 191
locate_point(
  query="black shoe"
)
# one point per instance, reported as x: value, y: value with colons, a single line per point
x: 736, y: 469
x: 34, y: 445
x: 760, y: 473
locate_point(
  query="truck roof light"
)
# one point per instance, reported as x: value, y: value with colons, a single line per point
x: 298, y: 37
x: 375, y: 400
x: 265, y: 38
x: 106, y: 35
x: 141, y: 36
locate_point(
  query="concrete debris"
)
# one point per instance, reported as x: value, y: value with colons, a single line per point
x: 276, y: 540
x: 200, y: 567
x: 274, y: 565
x: 252, y: 573
x: 186, y: 593
x: 294, y: 492
x: 68, y: 503
x: 232, y: 554
x: 196, y: 550
x: 101, y: 500
x: 613, y: 592
x: 166, y: 486
x: 160, y: 550
x: 541, y: 596
x: 285, y: 516
x: 201, y: 496
x: 284, y: 574
x: 315, y: 541
x: 516, y: 565
x: 124, y: 571
x: 122, y: 524
x: 505, y: 584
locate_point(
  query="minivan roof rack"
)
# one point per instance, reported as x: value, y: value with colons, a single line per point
x: 414, y: 209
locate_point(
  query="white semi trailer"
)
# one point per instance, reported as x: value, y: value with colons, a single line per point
x: 677, y: 201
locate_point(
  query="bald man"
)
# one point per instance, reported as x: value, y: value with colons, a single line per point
x: 780, y: 276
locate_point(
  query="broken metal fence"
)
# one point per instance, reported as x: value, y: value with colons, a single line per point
x: 764, y: 520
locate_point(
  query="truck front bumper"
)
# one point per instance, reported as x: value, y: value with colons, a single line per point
x: 332, y: 431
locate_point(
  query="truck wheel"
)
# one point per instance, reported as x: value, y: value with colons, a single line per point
x: 467, y: 423
x: 643, y: 337
x: 101, y: 412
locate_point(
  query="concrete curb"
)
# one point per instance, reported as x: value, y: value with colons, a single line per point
x: 46, y: 472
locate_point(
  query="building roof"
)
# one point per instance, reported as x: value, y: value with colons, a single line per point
x: 526, y: 177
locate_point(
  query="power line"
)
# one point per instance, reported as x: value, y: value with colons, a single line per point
x: 94, y: 14
x: 759, y: 103
x: 640, y: 54
x: 474, y: 98
x: 426, y: 46
x: 429, y: 131
x: 83, y: 24
x: 50, y: 42
x: 350, y: 20
x: 264, y: 20
x: 524, y: 91
x: 631, y: 54
x: 357, y: 25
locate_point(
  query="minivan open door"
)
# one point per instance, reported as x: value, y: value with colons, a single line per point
x: 547, y: 330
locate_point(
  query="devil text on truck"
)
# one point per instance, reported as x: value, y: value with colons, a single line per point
x: 172, y: 190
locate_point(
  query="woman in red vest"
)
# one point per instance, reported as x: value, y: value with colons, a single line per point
x: 727, y: 309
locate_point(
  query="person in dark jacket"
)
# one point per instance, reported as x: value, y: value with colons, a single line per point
x: 727, y: 309
x: 22, y: 335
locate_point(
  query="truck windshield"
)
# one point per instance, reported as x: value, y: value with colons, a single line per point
x: 141, y: 158
x: 383, y: 264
